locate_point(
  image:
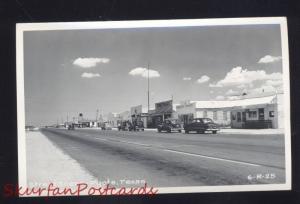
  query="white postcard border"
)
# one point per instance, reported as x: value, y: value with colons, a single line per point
x: 21, y: 28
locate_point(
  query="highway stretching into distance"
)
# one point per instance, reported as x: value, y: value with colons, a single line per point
x: 175, y: 159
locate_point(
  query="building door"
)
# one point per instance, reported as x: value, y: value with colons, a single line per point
x: 185, y: 119
x: 261, y: 114
x: 243, y: 117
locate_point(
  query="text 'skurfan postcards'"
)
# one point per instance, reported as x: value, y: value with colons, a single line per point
x: 151, y: 107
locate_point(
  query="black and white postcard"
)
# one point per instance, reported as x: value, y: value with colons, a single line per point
x: 150, y: 107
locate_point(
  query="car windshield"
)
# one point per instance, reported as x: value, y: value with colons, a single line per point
x: 173, y: 121
x: 196, y: 121
x: 207, y: 120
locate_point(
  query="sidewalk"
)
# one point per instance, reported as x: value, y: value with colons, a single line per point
x: 48, y: 164
x: 252, y: 131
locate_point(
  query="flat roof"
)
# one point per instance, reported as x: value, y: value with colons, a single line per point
x: 235, y: 103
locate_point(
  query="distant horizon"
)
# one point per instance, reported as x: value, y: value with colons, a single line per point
x: 67, y: 72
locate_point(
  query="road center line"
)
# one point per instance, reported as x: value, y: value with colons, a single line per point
x: 122, y: 141
x: 135, y: 143
x: 209, y: 157
x: 184, y: 153
x: 101, y: 139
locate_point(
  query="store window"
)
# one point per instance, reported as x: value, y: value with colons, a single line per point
x: 239, y: 116
x: 261, y: 114
x: 271, y: 114
x: 252, y: 114
x: 233, y: 116
x: 224, y: 115
x: 215, y: 115
x: 205, y: 114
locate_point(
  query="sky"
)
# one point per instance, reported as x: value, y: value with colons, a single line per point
x: 68, y: 72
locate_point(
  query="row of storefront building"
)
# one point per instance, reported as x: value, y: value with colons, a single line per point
x: 264, y: 111
x: 246, y: 112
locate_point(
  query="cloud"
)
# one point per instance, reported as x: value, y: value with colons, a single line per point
x: 231, y: 92
x: 242, y: 77
x: 243, y: 86
x: 262, y: 89
x: 203, y: 79
x: 274, y: 82
x: 89, y: 62
x: 269, y: 59
x: 270, y: 86
x: 187, y: 78
x: 137, y: 71
x: 220, y: 97
x: 89, y: 75
x: 143, y: 72
x: 215, y: 85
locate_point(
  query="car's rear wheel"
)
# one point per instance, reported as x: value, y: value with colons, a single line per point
x: 179, y: 130
x: 169, y: 130
x: 214, y: 132
x: 159, y: 130
x: 186, y: 131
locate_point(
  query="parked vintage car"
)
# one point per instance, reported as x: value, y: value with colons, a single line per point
x: 138, y: 125
x: 125, y: 125
x: 169, y: 125
x: 71, y: 127
x: 201, y: 125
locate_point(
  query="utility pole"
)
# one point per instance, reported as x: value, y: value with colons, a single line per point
x: 148, y: 88
x: 97, y: 114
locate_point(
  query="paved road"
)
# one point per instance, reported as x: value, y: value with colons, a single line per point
x: 174, y: 159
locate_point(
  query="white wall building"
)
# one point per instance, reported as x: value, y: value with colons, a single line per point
x: 254, y: 112
x: 261, y: 112
x: 216, y: 110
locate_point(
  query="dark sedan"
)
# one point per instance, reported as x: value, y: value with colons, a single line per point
x: 201, y: 125
x: 125, y: 125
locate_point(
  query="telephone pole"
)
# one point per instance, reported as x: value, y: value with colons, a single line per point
x: 148, y: 88
x: 97, y: 112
